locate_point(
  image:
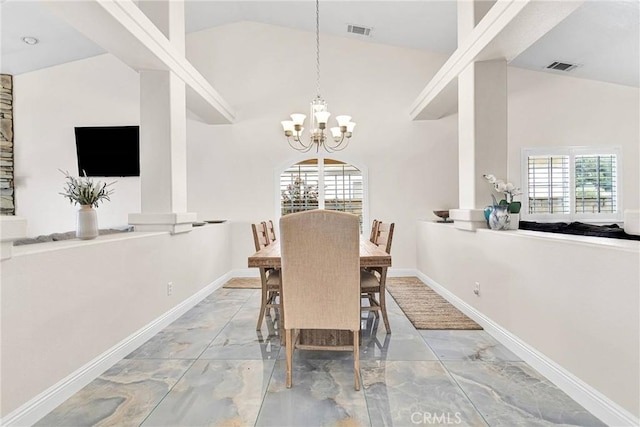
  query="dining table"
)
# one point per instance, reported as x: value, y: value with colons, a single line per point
x: 371, y: 255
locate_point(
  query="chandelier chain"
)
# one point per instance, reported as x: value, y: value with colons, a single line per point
x: 318, y: 48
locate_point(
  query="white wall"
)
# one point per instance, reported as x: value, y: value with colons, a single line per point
x: 49, y: 103
x: 65, y: 303
x: 576, y: 302
x: 267, y: 73
x: 550, y: 110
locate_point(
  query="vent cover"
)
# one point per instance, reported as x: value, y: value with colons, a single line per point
x: 561, y: 66
x: 358, y: 29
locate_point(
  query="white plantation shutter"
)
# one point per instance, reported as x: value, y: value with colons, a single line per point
x: 332, y: 185
x: 343, y: 188
x: 299, y: 188
x: 572, y: 183
x: 548, y: 184
x: 596, y: 183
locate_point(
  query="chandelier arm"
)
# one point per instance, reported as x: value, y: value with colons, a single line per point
x: 301, y: 146
x: 333, y: 149
x: 338, y: 143
x: 299, y: 140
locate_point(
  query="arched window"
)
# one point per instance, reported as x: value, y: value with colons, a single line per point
x: 322, y: 184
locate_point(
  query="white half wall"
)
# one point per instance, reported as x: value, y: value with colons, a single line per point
x: 574, y: 299
x: 66, y: 303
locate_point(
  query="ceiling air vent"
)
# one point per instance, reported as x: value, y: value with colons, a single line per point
x: 561, y: 66
x: 357, y: 29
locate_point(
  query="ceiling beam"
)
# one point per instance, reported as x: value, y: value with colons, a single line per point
x: 121, y: 28
x: 507, y: 30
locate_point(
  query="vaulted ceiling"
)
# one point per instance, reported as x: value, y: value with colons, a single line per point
x: 601, y: 37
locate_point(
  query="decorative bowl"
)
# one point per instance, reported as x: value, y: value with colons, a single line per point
x: 444, y: 214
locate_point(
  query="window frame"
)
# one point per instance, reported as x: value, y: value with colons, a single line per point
x: 321, y: 194
x: 571, y: 152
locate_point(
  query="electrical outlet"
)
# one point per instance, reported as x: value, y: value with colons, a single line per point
x: 476, y: 289
x: 169, y: 289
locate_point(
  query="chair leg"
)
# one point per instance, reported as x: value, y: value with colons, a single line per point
x: 373, y: 303
x: 383, y: 308
x: 263, y: 305
x: 356, y: 359
x: 289, y: 347
x: 281, y: 323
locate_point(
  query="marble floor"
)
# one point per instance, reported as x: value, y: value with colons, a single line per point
x: 212, y: 368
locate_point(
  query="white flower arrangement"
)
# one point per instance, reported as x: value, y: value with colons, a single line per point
x: 508, y: 189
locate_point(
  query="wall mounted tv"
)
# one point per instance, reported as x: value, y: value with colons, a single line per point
x: 108, y: 150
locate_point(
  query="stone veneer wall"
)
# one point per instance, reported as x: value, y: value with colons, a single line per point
x: 7, y: 206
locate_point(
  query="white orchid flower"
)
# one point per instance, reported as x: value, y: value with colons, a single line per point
x: 490, y: 178
x: 510, y: 187
x: 500, y: 186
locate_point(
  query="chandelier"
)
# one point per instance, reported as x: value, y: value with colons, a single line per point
x: 319, y: 117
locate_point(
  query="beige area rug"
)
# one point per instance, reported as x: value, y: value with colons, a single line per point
x: 243, y: 283
x: 424, y: 307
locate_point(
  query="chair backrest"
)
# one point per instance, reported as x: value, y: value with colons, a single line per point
x: 385, y: 236
x: 374, y: 231
x: 260, y: 238
x: 320, y: 253
x: 271, y: 231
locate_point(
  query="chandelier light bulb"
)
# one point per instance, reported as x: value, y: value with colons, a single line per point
x: 298, y: 119
x: 287, y: 125
x: 322, y: 117
x: 343, y: 120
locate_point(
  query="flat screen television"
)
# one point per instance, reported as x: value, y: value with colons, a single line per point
x: 108, y: 150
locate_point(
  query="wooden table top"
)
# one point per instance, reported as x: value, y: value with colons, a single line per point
x: 370, y: 256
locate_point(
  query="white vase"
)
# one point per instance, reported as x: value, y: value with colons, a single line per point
x: 514, y: 221
x: 87, y: 226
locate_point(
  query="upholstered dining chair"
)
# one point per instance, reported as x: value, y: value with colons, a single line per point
x: 320, y: 279
x: 373, y: 280
x: 269, y: 277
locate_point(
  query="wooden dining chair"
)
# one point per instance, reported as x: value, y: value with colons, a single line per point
x: 271, y: 231
x: 373, y: 280
x: 374, y: 231
x: 260, y: 236
x: 269, y: 278
x: 320, y: 279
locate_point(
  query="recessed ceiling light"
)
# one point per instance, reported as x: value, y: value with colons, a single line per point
x: 30, y: 40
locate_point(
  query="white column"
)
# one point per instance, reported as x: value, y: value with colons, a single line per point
x: 482, y: 125
x: 163, y: 134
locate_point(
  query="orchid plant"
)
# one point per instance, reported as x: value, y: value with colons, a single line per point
x: 508, y: 189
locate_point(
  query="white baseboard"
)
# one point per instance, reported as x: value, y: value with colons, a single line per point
x: 36, y: 408
x: 591, y: 399
x: 246, y: 272
x: 401, y: 272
